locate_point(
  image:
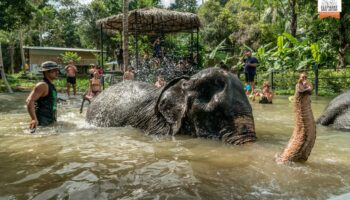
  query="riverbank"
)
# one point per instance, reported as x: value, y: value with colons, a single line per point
x: 22, y: 84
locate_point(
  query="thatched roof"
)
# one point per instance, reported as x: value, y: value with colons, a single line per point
x: 151, y: 21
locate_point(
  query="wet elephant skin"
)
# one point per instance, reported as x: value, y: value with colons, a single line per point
x: 210, y: 104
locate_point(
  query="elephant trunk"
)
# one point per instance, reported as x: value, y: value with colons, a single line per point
x: 304, y: 134
x: 244, y: 131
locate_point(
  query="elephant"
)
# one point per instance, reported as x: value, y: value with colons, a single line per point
x: 337, y: 112
x: 209, y: 104
x: 304, y: 134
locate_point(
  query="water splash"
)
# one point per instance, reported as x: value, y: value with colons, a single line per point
x: 168, y: 69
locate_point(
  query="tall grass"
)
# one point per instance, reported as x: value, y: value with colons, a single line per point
x: 27, y: 83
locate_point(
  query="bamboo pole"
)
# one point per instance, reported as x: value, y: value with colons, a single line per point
x: 22, y: 50
x: 125, y: 34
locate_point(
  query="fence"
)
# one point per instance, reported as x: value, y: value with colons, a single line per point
x: 335, y: 80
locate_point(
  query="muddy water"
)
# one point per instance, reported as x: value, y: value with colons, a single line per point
x: 74, y: 160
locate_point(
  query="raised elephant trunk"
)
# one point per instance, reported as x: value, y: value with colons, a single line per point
x: 304, y: 134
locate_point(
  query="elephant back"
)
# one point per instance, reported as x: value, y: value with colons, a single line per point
x: 114, y: 105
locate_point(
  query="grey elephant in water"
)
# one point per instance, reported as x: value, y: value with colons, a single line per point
x: 210, y: 104
x: 337, y: 113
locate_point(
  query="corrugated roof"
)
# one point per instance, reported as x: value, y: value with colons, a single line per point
x: 61, y: 49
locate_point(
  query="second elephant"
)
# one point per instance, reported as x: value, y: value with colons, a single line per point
x: 337, y: 113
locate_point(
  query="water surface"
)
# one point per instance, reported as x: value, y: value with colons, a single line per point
x: 74, y: 160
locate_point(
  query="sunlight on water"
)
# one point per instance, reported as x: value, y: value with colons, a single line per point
x: 76, y: 160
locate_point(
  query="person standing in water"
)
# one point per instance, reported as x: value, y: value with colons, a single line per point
x: 71, y: 70
x: 42, y: 101
x: 250, y: 65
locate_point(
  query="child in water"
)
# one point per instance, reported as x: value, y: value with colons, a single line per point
x: 94, y: 87
x: 129, y: 74
x: 160, y: 82
x: 93, y: 91
x: 248, y: 89
x: 266, y: 95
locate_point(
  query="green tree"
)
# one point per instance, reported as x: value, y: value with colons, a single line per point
x: 68, y: 56
x: 184, y: 5
x: 212, y: 31
x: 14, y: 13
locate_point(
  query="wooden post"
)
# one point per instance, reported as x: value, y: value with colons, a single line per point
x: 12, y: 53
x: 192, y: 48
x: 125, y: 34
x: 316, y: 78
x: 101, y: 52
x: 21, y: 47
x: 271, y: 80
x: 197, y: 46
x: 136, y: 42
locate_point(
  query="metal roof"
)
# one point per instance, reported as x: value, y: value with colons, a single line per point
x: 61, y: 49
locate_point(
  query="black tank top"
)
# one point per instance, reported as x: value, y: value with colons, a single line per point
x: 46, y: 106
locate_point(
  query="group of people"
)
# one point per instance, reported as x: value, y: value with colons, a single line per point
x: 130, y: 75
x: 265, y: 95
x: 94, y: 83
x: 42, y: 101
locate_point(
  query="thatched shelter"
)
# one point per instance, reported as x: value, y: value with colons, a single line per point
x: 151, y: 21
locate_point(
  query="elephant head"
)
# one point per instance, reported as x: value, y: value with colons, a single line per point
x: 212, y: 104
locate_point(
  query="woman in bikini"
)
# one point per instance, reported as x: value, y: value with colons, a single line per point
x: 95, y: 84
x: 93, y: 91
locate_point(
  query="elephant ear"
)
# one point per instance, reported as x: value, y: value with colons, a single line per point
x: 172, y: 103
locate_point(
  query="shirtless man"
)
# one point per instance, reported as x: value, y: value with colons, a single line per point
x: 71, y: 70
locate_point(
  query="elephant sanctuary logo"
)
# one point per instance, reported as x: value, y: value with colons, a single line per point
x: 329, y: 8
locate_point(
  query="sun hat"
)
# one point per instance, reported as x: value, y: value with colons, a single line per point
x: 48, y: 65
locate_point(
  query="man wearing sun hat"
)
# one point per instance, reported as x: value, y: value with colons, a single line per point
x: 42, y: 101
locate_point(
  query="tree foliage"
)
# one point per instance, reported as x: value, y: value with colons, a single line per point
x: 265, y: 26
x: 70, y: 56
x: 14, y: 13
